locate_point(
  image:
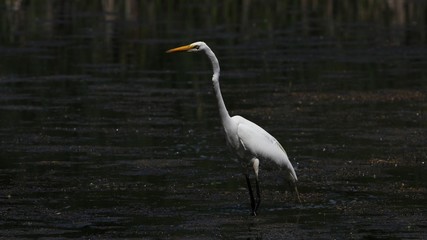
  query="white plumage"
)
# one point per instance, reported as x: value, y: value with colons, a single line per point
x: 260, y: 144
x: 249, y: 141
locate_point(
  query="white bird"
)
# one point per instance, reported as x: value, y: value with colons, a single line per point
x: 249, y: 141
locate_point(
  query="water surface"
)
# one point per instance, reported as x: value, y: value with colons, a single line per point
x: 103, y: 135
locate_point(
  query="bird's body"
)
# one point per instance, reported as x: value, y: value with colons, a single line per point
x: 252, y: 141
x: 247, y: 140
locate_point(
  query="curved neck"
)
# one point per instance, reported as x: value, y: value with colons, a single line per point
x: 215, y: 80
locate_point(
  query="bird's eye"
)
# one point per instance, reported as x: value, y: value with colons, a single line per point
x: 197, y: 47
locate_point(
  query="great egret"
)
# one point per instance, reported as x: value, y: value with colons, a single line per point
x: 249, y: 141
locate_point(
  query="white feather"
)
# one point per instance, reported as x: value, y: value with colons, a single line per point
x: 261, y: 144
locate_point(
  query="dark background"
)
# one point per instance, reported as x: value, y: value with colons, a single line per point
x: 103, y: 135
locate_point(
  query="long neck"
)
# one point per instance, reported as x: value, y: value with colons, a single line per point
x: 215, y: 80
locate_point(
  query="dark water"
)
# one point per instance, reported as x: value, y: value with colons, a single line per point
x: 103, y: 135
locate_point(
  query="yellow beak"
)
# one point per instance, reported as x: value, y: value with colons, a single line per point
x: 180, y: 49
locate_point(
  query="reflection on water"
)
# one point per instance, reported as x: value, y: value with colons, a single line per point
x: 103, y: 135
x: 112, y: 30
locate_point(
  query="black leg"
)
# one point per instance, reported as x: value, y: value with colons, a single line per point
x: 251, y: 194
x: 258, y: 194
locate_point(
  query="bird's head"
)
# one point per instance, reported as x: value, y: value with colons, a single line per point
x: 193, y: 47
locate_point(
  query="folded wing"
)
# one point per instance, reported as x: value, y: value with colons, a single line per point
x: 262, y: 144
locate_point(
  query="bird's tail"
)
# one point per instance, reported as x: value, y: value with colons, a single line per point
x: 295, y: 189
x: 297, y: 193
